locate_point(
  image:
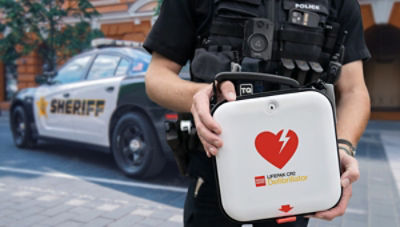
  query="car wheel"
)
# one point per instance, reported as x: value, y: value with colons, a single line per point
x: 135, y: 147
x: 21, y: 129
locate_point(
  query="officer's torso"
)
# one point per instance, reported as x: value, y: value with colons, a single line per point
x: 297, y: 37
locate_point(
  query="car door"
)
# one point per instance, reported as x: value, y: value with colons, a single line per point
x: 54, y: 102
x: 100, y: 91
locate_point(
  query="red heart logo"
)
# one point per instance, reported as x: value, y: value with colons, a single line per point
x: 276, y: 149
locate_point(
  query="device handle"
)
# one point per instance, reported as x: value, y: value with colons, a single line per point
x: 233, y: 76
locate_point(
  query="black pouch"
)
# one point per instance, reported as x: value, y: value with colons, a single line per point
x: 176, y: 141
x: 303, y: 37
x: 301, y: 42
x: 331, y: 37
x: 236, y: 9
x: 321, y: 7
x: 182, y: 142
x: 206, y: 64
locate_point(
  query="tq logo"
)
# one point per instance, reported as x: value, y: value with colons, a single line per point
x: 246, y: 89
x: 277, y: 149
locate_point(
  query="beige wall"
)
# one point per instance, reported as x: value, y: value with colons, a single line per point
x: 127, y: 31
x: 383, y: 81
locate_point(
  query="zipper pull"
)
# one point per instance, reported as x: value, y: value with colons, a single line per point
x: 200, y: 182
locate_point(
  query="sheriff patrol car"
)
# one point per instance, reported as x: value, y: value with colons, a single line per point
x: 98, y: 98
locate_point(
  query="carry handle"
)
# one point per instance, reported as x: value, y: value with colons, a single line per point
x: 233, y: 76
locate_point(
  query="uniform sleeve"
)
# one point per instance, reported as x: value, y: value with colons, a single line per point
x: 173, y: 34
x: 351, y: 21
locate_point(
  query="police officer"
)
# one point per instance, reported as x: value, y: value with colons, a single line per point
x: 175, y: 39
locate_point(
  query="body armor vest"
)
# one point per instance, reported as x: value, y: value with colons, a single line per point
x: 293, y: 38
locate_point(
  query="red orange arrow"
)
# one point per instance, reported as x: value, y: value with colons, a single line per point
x: 286, y: 208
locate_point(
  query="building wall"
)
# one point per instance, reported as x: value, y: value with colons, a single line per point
x: 28, y: 67
x: 104, y: 6
x: 395, y: 15
x: 382, y: 77
x: 367, y: 16
x: 383, y: 82
x: 127, y: 30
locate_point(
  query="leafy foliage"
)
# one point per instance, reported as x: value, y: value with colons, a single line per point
x: 159, y: 2
x: 28, y: 25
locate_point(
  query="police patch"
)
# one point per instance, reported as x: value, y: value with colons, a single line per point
x: 310, y: 6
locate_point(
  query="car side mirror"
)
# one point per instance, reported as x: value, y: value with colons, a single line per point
x: 46, y: 78
x: 41, y: 79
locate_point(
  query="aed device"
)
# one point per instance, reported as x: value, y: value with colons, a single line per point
x: 280, y: 156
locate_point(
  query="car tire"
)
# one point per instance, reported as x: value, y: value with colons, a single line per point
x: 135, y: 147
x: 21, y: 129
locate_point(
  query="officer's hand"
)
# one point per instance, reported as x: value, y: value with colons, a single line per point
x: 207, y: 128
x: 350, y: 174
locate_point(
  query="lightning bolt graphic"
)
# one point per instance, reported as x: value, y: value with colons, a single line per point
x: 284, y: 139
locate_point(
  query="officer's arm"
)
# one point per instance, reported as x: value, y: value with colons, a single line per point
x: 164, y: 86
x: 353, y: 109
x: 353, y: 103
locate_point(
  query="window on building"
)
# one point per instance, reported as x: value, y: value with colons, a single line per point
x: 104, y: 66
x: 73, y: 71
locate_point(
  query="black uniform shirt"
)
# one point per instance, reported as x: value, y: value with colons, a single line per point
x: 174, y: 36
x: 174, y: 33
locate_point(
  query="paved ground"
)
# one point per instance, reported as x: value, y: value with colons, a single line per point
x: 70, y: 186
x: 66, y: 185
x: 375, y: 201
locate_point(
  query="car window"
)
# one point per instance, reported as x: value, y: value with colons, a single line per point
x: 73, y: 71
x: 122, y: 67
x: 103, y: 66
x: 185, y: 72
x: 140, y: 63
x: 138, y: 67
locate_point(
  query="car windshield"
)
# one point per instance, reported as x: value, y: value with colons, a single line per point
x: 73, y: 71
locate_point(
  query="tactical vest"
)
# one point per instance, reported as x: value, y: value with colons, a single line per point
x: 301, y: 36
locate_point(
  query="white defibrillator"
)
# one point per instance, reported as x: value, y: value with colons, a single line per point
x: 280, y: 155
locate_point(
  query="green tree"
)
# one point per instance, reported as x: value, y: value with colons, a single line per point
x: 40, y: 25
x: 159, y: 2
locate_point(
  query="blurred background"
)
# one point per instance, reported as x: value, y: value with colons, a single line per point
x: 132, y: 20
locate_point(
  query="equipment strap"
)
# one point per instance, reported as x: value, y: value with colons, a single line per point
x: 227, y: 29
x: 331, y: 36
x: 302, y: 37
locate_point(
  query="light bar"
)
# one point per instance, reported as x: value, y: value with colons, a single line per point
x: 104, y: 42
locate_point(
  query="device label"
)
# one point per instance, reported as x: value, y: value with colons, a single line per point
x: 246, y: 89
x: 280, y: 179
